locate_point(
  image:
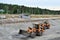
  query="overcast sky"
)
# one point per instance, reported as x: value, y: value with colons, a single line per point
x: 49, y: 4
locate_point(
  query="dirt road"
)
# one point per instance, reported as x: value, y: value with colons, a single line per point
x: 7, y: 30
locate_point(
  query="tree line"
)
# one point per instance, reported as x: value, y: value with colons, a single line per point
x: 17, y: 9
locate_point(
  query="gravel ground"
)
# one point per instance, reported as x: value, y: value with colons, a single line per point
x: 7, y: 30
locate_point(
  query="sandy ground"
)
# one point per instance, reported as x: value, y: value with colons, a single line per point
x: 18, y: 20
x: 7, y: 30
